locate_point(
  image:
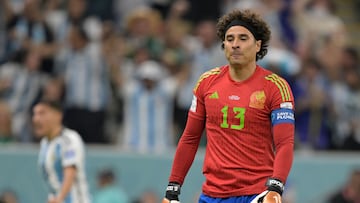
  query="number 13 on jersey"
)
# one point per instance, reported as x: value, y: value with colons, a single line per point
x: 239, y: 114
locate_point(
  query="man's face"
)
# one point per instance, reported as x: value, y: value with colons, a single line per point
x: 45, y: 119
x: 240, y: 46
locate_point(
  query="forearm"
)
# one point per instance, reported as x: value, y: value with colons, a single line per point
x: 284, y: 143
x: 186, y: 150
x: 69, y: 177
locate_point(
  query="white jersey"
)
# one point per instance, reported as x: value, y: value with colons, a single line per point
x: 67, y: 149
x: 148, y: 124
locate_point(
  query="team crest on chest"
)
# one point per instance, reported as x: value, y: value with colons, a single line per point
x: 257, y: 99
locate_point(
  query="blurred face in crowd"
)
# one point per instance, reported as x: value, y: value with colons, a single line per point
x: 77, y: 41
x: 46, y: 120
x: 240, y: 46
x: 354, y: 186
x: 31, y: 10
x: 76, y: 8
x: 33, y: 61
x: 206, y: 31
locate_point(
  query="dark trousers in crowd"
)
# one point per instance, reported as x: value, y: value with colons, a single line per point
x: 89, y: 124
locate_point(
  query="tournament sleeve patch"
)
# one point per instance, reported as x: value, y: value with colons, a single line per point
x: 282, y: 115
x: 193, y: 104
x: 69, y: 154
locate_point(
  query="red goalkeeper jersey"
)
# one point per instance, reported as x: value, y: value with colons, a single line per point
x: 247, y: 123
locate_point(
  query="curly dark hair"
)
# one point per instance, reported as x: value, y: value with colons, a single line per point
x: 260, y: 27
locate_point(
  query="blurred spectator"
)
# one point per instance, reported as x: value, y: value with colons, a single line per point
x: 87, y: 86
x: 148, y: 109
x: 8, y: 196
x: 124, y: 8
x: 6, y: 134
x: 350, y: 192
x: 28, y: 30
x: 205, y: 53
x: 53, y: 90
x: 4, y: 12
x: 55, y: 16
x: 348, y: 112
x: 21, y: 83
x: 148, y: 196
x: 312, y: 107
x: 108, y: 190
x: 317, y: 25
x: 282, y: 61
x: 143, y: 28
x: 175, y: 55
x: 350, y: 58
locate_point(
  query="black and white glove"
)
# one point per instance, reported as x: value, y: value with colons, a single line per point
x: 275, y: 188
x: 172, y: 193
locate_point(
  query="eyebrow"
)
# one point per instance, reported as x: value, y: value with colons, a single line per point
x: 239, y: 35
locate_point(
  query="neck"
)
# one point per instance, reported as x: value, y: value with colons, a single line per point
x: 55, y: 132
x: 240, y: 73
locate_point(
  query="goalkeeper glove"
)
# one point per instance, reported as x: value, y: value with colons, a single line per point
x: 172, y: 193
x: 272, y: 197
x: 272, y: 194
x: 267, y: 197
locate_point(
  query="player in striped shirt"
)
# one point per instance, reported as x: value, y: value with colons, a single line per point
x: 61, y: 156
x: 248, y: 114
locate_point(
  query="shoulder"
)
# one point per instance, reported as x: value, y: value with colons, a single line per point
x: 210, y: 74
x: 271, y: 78
x: 70, y: 136
x: 43, y: 141
x: 277, y: 85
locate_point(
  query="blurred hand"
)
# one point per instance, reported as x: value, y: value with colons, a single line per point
x: 168, y: 201
x: 53, y: 199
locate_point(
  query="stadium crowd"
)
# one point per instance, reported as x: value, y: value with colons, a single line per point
x: 124, y: 70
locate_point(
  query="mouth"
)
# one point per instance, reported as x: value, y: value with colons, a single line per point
x: 37, y: 126
x: 236, y: 55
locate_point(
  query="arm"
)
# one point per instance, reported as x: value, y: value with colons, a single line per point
x: 184, y: 157
x: 284, y: 145
x: 69, y: 177
x: 186, y: 150
x: 283, y: 130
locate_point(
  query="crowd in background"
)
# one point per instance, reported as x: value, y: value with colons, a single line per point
x: 124, y: 70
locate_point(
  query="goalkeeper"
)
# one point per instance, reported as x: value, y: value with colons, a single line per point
x: 248, y: 114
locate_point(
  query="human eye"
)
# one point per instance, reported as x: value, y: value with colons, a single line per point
x: 244, y: 37
x: 229, y: 38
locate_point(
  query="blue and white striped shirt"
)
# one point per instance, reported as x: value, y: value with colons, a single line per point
x: 65, y: 150
x: 86, y: 79
x: 148, y: 120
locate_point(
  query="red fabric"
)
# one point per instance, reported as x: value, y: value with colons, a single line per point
x: 240, y: 151
x: 186, y: 149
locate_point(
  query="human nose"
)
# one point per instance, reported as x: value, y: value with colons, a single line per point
x: 235, y: 44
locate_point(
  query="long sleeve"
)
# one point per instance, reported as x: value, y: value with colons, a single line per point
x: 186, y: 149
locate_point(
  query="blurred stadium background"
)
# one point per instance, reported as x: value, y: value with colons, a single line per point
x: 315, y: 47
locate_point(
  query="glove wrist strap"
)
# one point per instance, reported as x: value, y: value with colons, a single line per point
x: 173, y: 191
x: 276, y: 185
